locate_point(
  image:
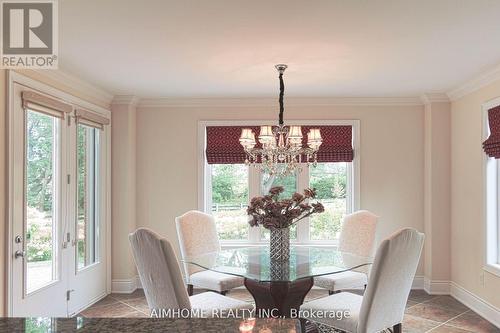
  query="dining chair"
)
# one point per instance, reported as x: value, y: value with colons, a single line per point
x: 161, y: 278
x: 385, y: 297
x: 357, y: 236
x: 197, y: 235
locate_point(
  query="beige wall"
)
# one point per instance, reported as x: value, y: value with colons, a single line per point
x: 123, y: 187
x: 467, y: 196
x: 392, y: 156
x: 437, y: 193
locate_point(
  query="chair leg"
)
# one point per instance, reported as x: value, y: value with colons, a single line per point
x: 397, y: 328
x: 190, y: 289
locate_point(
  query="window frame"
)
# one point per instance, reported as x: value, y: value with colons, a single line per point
x: 491, y: 181
x: 254, y: 178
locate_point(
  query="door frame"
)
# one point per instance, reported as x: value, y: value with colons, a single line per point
x: 15, y: 77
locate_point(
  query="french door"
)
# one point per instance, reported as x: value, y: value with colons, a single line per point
x: 58, y: 209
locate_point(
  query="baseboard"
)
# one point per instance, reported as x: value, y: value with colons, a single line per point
x: 477, y: 304
x: 418, y: 282
x: 436, y: 287
x: 138, y: 282
x: 123, y: 286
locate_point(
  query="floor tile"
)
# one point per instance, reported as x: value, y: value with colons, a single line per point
x: 108, y: 311
x: 432, y: 312
x: 448, y: 302
x: 105, y: 301
x: 413, y: 324
x: 139, y: 304
x: 449, y: 329
x: 419, y: 296
x: 410, y: 303
x: 473, y: 322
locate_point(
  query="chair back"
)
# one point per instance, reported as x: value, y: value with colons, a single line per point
x: 159, y: 271
x: 390, y: 281
x: 197, y: 235
x: 357, y: 235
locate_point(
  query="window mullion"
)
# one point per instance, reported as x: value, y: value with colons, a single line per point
x: 253, y: 191
x: 303, y: 226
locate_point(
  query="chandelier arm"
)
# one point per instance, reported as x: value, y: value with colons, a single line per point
x: 282, y: 92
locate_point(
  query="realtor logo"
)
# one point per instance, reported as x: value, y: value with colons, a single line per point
x: 29, y: 34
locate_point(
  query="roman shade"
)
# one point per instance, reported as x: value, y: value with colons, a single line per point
x: 223, y: 146
x: 90, y: 119
x: 491, y: 145
x: 44, y: 104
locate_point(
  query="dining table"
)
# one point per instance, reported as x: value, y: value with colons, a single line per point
x: 280, y: 287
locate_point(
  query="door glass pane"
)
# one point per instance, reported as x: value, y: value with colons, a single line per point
x: 41, y: 174
x: 87, y: 226
x: 230, y: 200
x: 330, y: 182
x: 289, y: 183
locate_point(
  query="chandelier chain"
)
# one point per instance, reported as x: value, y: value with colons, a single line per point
x: 282, y: 93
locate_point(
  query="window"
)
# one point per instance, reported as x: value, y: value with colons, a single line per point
x: 492, y: 186
x: 229, y: 188
x: 330, y: 182
x: 87, y: 228
x: 42, y: 153
x: 227, y: 184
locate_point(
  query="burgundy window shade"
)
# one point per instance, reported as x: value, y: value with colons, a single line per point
x: 491, y: 145
x: 223, y: 146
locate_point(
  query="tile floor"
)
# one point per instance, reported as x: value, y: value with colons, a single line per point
x: 424, y: 312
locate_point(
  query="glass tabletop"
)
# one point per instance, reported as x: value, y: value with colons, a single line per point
x: 305, y: 261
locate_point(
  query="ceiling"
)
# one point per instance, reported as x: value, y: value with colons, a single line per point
x: 228, y: 48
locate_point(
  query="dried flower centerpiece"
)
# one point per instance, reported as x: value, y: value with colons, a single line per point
x: 278, y: 215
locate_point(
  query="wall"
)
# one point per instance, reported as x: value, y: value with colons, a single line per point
x: 467, y: 196
x: 392, y: 156
x: 437, y: 179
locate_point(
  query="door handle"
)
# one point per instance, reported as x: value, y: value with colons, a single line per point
x: 18, y: 254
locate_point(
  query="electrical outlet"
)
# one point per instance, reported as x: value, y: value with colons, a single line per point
x: 481, y: 279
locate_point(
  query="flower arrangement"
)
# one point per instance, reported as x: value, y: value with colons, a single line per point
x: 272, y: 213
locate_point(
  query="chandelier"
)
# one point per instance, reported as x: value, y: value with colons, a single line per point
x: 281, y: 151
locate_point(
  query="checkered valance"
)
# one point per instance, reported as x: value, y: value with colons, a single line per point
x: 223, y: 146
x: 492, y: 145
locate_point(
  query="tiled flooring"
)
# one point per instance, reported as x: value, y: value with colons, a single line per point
x: 424, y: 313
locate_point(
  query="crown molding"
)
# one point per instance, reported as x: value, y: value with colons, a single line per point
x: 475, y: 83
x: 95, y: 94
x: 271, y: 102
x: 429, y: 98
x: 131, y: 100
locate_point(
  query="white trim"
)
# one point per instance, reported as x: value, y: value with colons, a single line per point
x: 90, y: 90
x: 270, y: 102
x: 491, y: 187
x: 418, y: 282
x: 429, y: 98
x: 436, y: 287
x: 92, y: 302
x: 123, y: 286
x: 475, y: 83
x: 477, y: 304
x: 125, y: 100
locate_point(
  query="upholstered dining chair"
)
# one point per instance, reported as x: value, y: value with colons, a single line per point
x: 357, y: 236
x: 385, y: 297
x: 161, y: 277
x: 197, y: 235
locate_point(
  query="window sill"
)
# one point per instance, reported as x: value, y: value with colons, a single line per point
x: 492, y: 269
